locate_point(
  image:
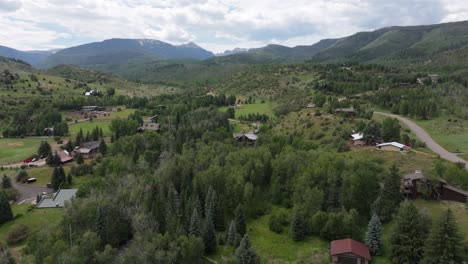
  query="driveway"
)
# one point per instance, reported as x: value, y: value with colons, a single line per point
x: 29, y: 192
x: 424, y: 137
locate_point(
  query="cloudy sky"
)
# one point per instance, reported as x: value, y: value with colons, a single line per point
x: 216, y: 25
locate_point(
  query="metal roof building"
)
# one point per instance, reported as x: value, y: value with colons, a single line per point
x: 59, y: 199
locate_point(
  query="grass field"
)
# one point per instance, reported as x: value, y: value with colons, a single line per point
x: 261, y: 108
x: 35, y: 219
x: 453, y: 135
x: 89, y: 126
x: 17, y: 149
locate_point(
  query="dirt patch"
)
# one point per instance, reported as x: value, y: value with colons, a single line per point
x: 15, y: 144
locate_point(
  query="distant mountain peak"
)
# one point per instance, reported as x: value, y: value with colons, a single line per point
x: 190, y: 45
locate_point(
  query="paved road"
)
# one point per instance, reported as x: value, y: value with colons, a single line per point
x: 28, y: 192
x: 424, y: 137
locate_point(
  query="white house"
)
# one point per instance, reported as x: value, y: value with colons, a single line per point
x: 393, y: 146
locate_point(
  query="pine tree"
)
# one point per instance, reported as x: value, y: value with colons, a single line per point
x: 79, y: 158
x: 195, y: 228
x: 56, y: 159
x: 44, y: 149
x: 408, y: 236
x: 444, y: 244
x: 239, y: 218
x: 373, y: 236
x: 69, y: 179
x: 210, y: 203
x: 101, y: 224
x: 69, y: 146
x: 297, y: 227
x: 6, y: 182
x: 50, y: 159
x: 231, y: 238
x: 103, y: 147
x: 390, y: 197
x: 79, y: 138
x: 6, y: 214
x: 209, y: 236
x: 245, y: 254
x: 58, y: 178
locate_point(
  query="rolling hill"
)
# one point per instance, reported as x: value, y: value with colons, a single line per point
x: 119, y: 51
x: 31, y: 57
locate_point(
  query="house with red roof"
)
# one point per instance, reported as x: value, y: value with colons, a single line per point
x: 349, y: 251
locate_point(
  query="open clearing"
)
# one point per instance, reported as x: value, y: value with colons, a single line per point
x: 14, y: 150
x: 35, y: 219
x: 261, y: 108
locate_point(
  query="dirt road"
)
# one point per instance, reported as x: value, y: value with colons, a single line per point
x: 424, y: 137
x: 29, y: 192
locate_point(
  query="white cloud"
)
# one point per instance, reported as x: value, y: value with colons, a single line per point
x: 214, y: 24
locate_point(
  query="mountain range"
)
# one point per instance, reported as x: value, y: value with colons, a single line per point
x: 390, y: 44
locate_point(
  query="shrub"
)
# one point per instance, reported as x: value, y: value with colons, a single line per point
x: 17, y: 233
x: 278, y: 221
x: 22, y: 176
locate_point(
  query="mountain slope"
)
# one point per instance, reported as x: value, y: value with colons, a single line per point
x: 277, y: 53
x: 397, y: 43
x: 118, y: 51
x: 31, y: 57
x: 13, y: 65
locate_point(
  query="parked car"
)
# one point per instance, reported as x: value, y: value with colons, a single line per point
x: 31, y: 180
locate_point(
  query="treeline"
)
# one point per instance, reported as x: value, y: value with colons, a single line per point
x: 33, y: 118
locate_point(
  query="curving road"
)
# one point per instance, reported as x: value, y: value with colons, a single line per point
x: 424, y: 137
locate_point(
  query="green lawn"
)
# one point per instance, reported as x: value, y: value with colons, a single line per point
x: 278, y: 248
x: 89, y: 126
x: 14, y: 150
x: 35, y: 219
x: 450, y: 134
x: 261, y: 108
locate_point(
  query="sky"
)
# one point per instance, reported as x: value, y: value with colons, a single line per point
x: 216, y: 25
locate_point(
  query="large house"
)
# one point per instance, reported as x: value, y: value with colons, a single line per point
x: 393, y: 146
x: 349, y: 251
x: 248, y: 138
x: 149, y: 126
x: 88, y: 149
x: 439, y: 189
x: 58, y: 200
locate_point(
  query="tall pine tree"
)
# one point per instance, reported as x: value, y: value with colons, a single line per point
x: 444, y: 244
x: 209, y: 236
x: 232, y: 236
x: 6, y: 214
x: 408, y: 236
x: 245, y: 254
x: 297, y: 227
x: 374, y: 236
x: 390, y: 196
x: 195, y: 228
x: 239, y: 218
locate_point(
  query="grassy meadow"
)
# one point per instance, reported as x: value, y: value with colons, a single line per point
x: 13, y: 150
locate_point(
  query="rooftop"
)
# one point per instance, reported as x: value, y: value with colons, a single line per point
x: 394, y: 144
x: 348, y: 245
x: 59, y: 199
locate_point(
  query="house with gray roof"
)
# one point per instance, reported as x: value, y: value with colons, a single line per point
x: 58, y: 199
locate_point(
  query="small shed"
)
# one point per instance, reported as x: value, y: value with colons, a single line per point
x: 358, y: 139
x: 347, y: 111
x: 153, y: 119
x: 349, y: 251
x: 48, y: 131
